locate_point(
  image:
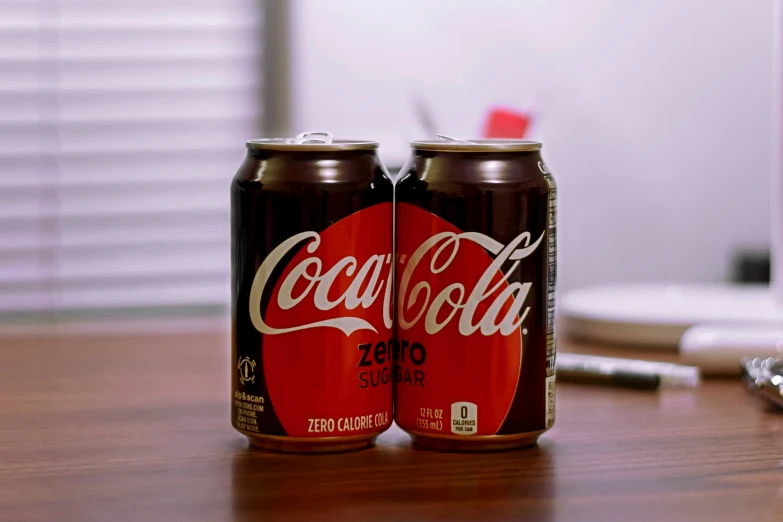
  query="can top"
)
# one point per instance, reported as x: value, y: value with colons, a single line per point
x: 312, y: 142
x: 493, y: 145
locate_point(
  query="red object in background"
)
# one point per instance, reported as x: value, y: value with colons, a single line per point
x: 506, y: 123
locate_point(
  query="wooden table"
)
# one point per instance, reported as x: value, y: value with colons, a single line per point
x: 136, y: 427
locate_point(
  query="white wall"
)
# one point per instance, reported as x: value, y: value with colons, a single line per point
x: 655, y: 115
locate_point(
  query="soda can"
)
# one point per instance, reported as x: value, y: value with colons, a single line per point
x: 312, y: 294
x: 475, y: 314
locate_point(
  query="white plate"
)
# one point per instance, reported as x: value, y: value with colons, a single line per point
x: 658, y: 314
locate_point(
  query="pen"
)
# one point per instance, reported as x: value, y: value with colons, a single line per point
x: 627, y: 373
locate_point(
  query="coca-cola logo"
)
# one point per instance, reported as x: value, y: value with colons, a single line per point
x: 363, y: 290
x: 415, y: 299
x: 310, y: 279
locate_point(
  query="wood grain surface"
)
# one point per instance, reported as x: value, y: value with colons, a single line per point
x: 134, y: 426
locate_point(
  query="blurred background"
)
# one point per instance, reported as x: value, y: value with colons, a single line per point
x: 122, y: 123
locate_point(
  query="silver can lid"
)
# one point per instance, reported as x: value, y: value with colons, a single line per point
x: 311, y: 141
x: 447, y: 144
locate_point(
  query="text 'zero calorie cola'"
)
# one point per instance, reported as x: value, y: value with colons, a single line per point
x: 475, y: 311
x: 312, y: 294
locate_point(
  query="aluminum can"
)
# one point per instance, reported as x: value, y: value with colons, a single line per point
x: 475, y: 304
x: 312, y: 294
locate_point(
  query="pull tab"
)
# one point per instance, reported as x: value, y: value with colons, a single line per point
x: 449, y: 138
x: 325, y: 138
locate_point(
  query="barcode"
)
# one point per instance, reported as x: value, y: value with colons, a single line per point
x: 550, y: 402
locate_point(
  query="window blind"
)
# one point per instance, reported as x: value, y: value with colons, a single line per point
x: 121, y: 125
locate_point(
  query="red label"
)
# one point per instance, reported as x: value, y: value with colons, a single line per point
x: 460, y: 325
x: 327, y: 328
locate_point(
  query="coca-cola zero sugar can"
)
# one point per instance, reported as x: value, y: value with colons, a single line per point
x: 312, y: 293
x: 475, y: 314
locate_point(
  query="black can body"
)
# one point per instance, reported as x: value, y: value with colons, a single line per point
x: 295, y: 366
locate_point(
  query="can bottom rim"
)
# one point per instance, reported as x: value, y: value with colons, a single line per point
x: 475, y: 444
x: 280, y: 444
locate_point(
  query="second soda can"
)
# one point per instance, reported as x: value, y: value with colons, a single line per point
x: 475, y: 305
